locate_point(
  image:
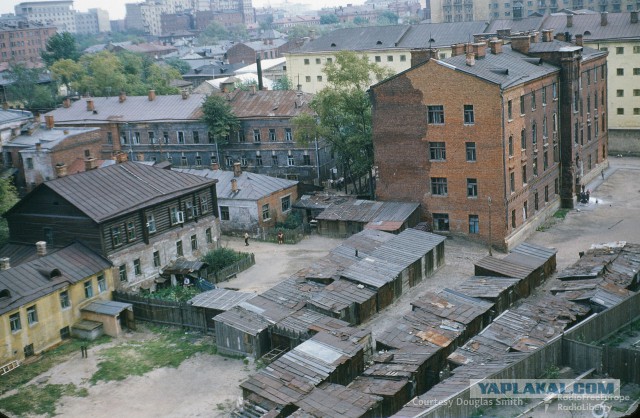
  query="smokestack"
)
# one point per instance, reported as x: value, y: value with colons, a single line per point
x: 90, y: 164
x: 5, y: 263
x: 41, y: 248
x: 579, y: 39
x: 457, y: 49
x: 547, y: 35
x: 152, y: 95
x: 49, y: 121
x: 259, y: 65
x: 603, y: 18
x: 90, y: 106
x: 479, y: 49
x: 66, y: 103
x: 237, y: 169
x: 61, y: 170
x: 521, y: 43
x: 234, y: 185
x: 122, y: 97
x: 496, y: 46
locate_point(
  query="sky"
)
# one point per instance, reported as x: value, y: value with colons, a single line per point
x: 116, y: 7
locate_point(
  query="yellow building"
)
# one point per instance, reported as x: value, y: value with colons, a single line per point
x: 41, y: 300
x: 389, y: 46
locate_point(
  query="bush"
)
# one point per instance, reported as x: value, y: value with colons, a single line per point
x: 221, y: 258
x: 293, y: 221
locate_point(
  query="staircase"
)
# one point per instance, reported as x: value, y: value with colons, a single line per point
x: 8, y: 367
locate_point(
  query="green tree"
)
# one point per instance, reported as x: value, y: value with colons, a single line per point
x: 238, y: 32
x: 8, y: 198
x: 387, y: 18
x: 213, y: 33
x: 283, y: 83
x: 105, y: 74
x: 67, y: 72
x: 25, y: 88
x: 360, y: 21
x: 343, y: 111
x: 182, y: 66
x: 218, y: 115
x: 329, y: 19
x: 60, y: 46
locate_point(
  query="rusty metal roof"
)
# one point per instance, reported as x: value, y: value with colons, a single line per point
x: 486, y: 287
x: 270, y: 103
x: 504, y: 268
x: 292, y: 293
x: 341, y: 294
x: 452, y: 305
x: 365, y: 211
x: 306, y: 321
x: 334, y: 400
x: 183, y: 266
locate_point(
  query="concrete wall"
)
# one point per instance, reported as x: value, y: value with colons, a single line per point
x: 624, y: 141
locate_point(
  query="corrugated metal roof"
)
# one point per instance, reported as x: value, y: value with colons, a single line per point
x: 341, y: 294
x: 533, y: 250
x: 503, y: 267
x: 107, y: 307
x: 251, y: 186
x: 366, y: 211
x: 121, y: 188
x: 183, y: 266
x: 526, y: 24
x: 34, y: 279
x: 334, y: 400
x: 618, y: 26
x: 292, y: 292
x: 243, y: 320
x: 10, y: 115
x: 487, y: 287
x: 452, y: 305
x: 220, y: 299
x: 19, y: 253
x: 47, y: 138
x: 270, y: 103
x: 306, y: 320
x: 408, y: 246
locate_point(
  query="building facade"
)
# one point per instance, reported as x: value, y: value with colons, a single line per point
x: 24, y: 42
x: 59, y: 13
x: 438, y: 141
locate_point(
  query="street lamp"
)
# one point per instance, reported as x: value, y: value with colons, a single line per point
x: 489, y: 201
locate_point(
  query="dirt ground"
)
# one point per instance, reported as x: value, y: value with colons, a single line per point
x: 207, y: 386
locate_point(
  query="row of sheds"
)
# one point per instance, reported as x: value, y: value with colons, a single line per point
x: 611, y: 268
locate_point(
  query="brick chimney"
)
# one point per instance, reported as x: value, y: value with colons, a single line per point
x: 471, y: 58
x: 122, y: 97
x: 152, y: 95
x: 579, y: 39
x: 90, y: 164
x: 569, y: 21
x: 496, y: 46
x: 521, y: 43
x: 185, y: 95
x: 535, y: 37
x: 479, y: 37
x: 634, y: 16
x: 503, y: 33
x: 457, y: 49
x: 5, y: 263
x: 418, y: 56
x: 547, y: 35
x: 237, y: 169
x: 61, y: 170
x: 90, y: 106
x: 121, y: 157
x: 603, y: 18
x: 66, y: 103
x: 41, y: 248
x: 215, y: 166
x: 234, y: 185
x: 38, y: 146
x: 49, y: 121
x: 139, y: 156
x: 479, y: 49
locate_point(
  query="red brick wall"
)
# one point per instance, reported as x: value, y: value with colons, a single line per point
x: 275, y: 206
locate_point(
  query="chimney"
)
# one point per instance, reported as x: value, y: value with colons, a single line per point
x: 259, y: 68
x: 270, y: 41
x: 49, y: 121
x: 41, y: 248
x: 185, y: 95
x: 547, y: 35
x: 561, y: 36
x: 418, y: 56
x: 234, y: 185
x: 479, y: 49
x: 253, y: 89
x: 38, y: 146
x: 90, y: 164
x: 122, y: 97
x: 634, y: 17
x: 152, y: 95
x: 121, y: 157
x: 5, y: 263
x: 139, y: 156
x: 603, y: 18
x: 535, y: 37
x: 471, y: 59
x: 579, y: 39
x: 61, y: 170
x: 237, y: 170
x: 503, y: 33
x: 457, y: 49
x: 496, y: 46
x: 90, y: 106
x: 521, y: 43
x: 569, y: 21
x: 66, y: 103
x: 265, y: 41
x: 215, y: 166
x: 479, y: 37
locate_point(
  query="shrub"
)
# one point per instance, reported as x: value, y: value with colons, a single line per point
x: 220, y: 258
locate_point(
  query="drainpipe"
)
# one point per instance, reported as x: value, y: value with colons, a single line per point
x: 317, y: 161
x: 504, y: 163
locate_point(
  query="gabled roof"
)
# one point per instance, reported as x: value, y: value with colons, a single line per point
x: 34, y: 279
x: 251, y: 186
x: 270, y: 103
x: 133, y: 109
x: 118, y: 189
x: 8, y: 116
x: 618, y: 26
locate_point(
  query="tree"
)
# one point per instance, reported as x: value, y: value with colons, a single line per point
x: 238, y: 32
x: 60, y: 46
x: 218, y: 115
x: 68, y: 72
x: 329, y: 19
x: 360, y: 21
x: 182, y: 66
x: 387, y: 18
x: 343, y: 111
x: 8, y: 198
x: 283, y: 83
x: 25, y: 88
x: 213, y: 33
x: 105, y: 74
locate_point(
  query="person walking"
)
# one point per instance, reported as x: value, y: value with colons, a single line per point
x: 246, y: 239
x: 602, y: 173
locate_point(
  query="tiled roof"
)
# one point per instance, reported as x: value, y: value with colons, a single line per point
x: 108, y: 192
x: 42, y: 276
x: 133, y: 109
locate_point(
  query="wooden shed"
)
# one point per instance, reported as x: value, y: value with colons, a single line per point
x: 391, y: 384
x: 345, y: 300
x: 503, y: 292
x: 339, y: 401
x: 495, y: 267
x: 534, y: 254
x: 216, y: 301
x: 302, y: 325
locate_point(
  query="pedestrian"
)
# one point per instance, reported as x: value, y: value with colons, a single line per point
x: 280, y: 237
x: 246, y: 239
x: 602, y: 174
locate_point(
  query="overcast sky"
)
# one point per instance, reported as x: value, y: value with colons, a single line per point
x: 116, y: 7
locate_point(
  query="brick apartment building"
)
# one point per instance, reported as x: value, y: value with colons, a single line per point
x: 494, y: 139
x: 24, y: 41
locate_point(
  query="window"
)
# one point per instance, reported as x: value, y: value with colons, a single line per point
x: 136, y: 138
x: 619, y: 93
x: 208, y: 235
x: 288, y: 136
x: 151, y: 223
x: 468, y: 115
x: 224, y: 213
x: 544, y: 96
x: 198, y: 160
x: 290, y: 161
x: 636, y: 111
x: 533, y: 100
x: 241, y: 137
x: 474, y: 224
x: 229, y: 161
x: 435, y: 114
x: 525, y: 211
x: 440, y: 221
x: 115, y: 236
x: 620, y: 111
x: 122, y: 272
x: 152, y: 137
x: 319, y: 78
x: 619, y: 50
x: 329, y: 60
x: 30, y: 163
x: 32, y: 315
x: 317, y: 60
x: 88, y: 289
x: 274, y: 160
x: 534, y: 133
x: 403, y: 58
x: 258, y: 160
x: 196, y: 137
x: 306, y: 61
x: 636, y: 71
x: 179, y: 248
x: 513, y: 218
x: 389, y: 58
x: 471, y: 151
x: 523, y: 139
x: 545, y: 161
x: 156, y: 259
x: 619, y: 71
x: 64, y: 299
x: 14, y: 322
x: 265, y: 212
x: 521, y: 105
x: 510, y: 145
x: 256, y: 135
x: 180, y: 137
x: 183, y: 161
x: 636, y: 49
x: 165, y: 137
x: 109, y: 137
x: 285, y: 203
x: 545, y: 130
x: 377, y: 58
x: 307, y: 79
x: 194, y: 242
x: 439, y: 186
x: 509, y: 110
x: 176, y: 216
x: 272, y: 134
x: 512, y: 182
x: 437, y: 151
x: 472, y: 187
x: 204, y: 204
x: 524, y: 174
x: 306, y: 160
x: 131, y: 231
x: 554, y: 90
x: 535, y: 166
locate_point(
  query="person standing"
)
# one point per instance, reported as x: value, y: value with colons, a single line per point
x: 280, y: 237
x: 246, y: 239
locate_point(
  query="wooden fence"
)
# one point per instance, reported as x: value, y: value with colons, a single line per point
x: 622, y: 363
x: 291, y: 236
x: 582, y: 356
x: 164, y: 312
x: 230, y: 271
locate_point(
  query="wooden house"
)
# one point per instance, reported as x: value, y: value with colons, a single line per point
x: 216, y: 301
x: 345, y: 300
x: 503, y: 292
x: 302, y: 325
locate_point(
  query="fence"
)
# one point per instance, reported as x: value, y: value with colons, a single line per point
x: 622, y: 363
x: 291, y: 236
x: 230, y: 271
x: 165, y: 312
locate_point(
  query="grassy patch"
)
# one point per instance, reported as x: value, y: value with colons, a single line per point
x: 168, y: 349
x: 39, y: 400
x: 561, y: 213
x: 48, y: 359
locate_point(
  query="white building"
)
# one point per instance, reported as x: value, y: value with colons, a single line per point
x: 59, y: 13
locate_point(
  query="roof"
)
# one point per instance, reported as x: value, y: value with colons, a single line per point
x: 335, y: 400
x: 251, y: 186
x: 8, y: 116
x: 264, y: 64
x: 292, y: 292
x: 365, y: 211
x: 452, y: 305
x: 133, y: 109
x: 240, y: 79
x: 341, y: 294
x: 319, y: 201
x: 408, y: 246
x: 306, y: 321
x: 183, y: 266
x: 47, y: 138
x: 502, y: 268
x: 261, y: 45
x: 107, y: 307
x: 486, y: 287
x: 270, y: 103
x: 618, y: 26
x: 526, y: 24
x: 34, y: 279
x: 118, y: 189
x: 220, y: 299
x: 19, y: 253
x: 242, y: 319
